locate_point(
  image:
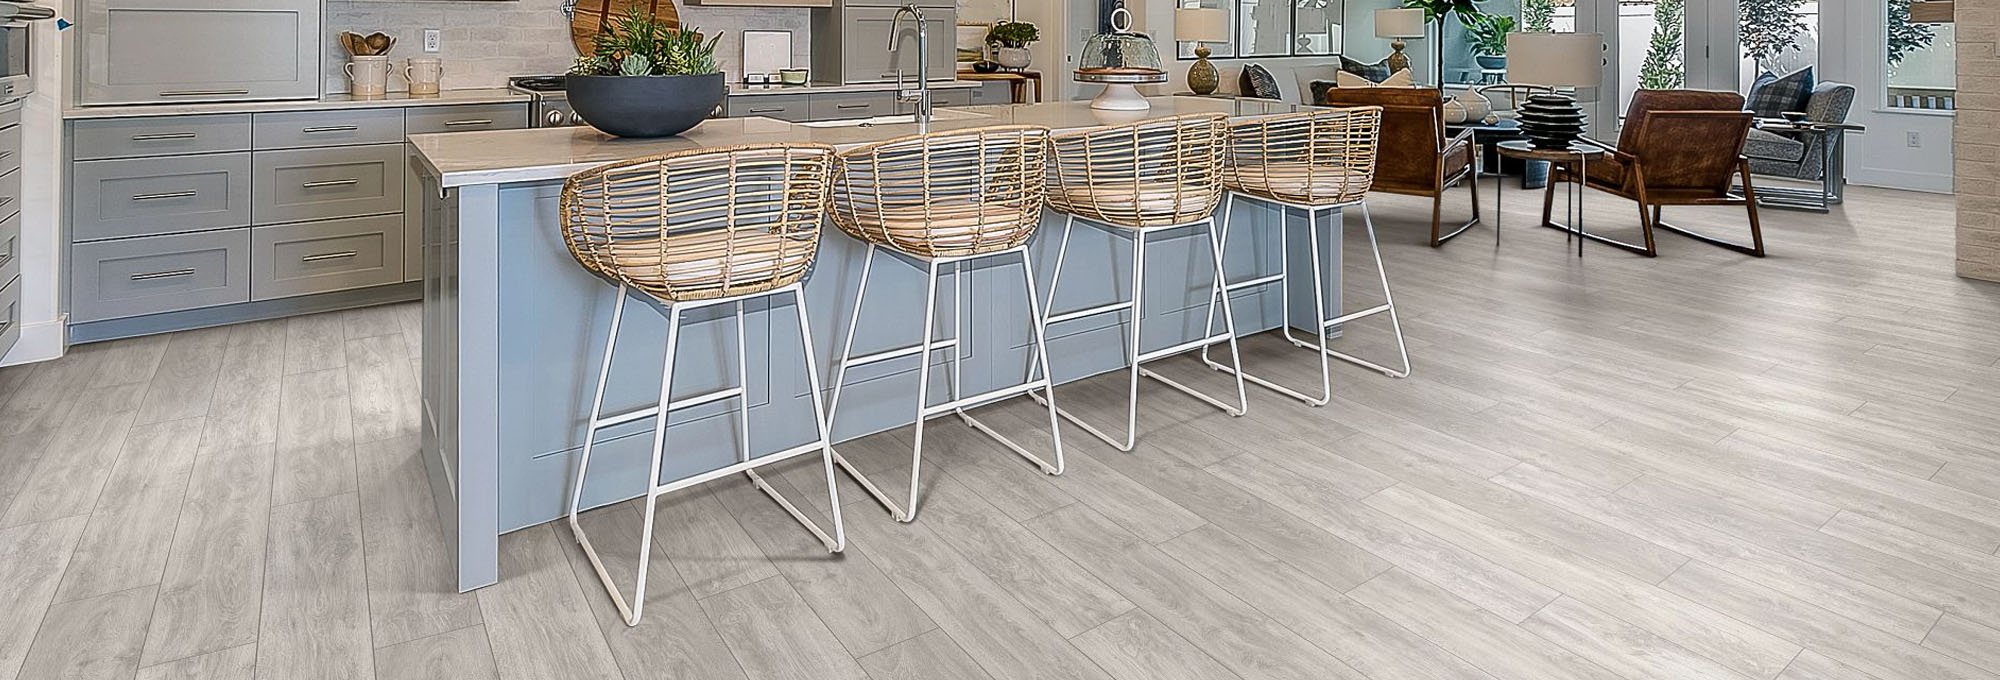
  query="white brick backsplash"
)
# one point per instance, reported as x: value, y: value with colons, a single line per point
x: 486, y: 42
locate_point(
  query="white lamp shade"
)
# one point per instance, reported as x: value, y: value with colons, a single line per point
x: 1556, y: 59
x: 1399, y: 23
x: 1200, y: 24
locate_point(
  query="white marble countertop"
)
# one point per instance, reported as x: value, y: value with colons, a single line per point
x: 507, y: 156
x: 325, y: 103
x: 742, y: 90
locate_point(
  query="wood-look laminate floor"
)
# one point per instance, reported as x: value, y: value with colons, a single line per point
x: 1700, y: 466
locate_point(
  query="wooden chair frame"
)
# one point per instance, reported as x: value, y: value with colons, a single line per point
x: 1651, y: 201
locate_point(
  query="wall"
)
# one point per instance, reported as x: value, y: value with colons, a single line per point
x: 1851, y: 52
x: 1978, y: 157
x: 485, y: 42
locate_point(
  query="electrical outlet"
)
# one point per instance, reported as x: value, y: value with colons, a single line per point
x: 433, y: 39
x: 1915, y: 139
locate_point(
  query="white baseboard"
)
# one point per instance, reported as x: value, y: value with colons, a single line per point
x: 40, y: 341
x: 1931, y: 182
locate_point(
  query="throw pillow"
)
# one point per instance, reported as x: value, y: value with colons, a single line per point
x: 1772, y: 95
x: 1259, y: 83
x: 1398, y: 79
x: 1376, y: 72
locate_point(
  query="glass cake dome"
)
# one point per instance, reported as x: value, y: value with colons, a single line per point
x: 1119, y: 60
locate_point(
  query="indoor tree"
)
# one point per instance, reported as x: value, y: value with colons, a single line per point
x: 1538, y: 16
x: 1769, y: 28
x: 1904, y: 37
x: 1664, y: 68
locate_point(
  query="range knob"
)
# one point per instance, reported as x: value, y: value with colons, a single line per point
x: 554, y: 119
x: 575, y: 119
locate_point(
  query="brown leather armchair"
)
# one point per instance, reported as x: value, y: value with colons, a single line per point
x: 1415, y: 156
x: 1679, y: 147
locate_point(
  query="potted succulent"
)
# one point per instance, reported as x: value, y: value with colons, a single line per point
x: 645, y: 78
x: 1488, y: 38
x: 1011, y: 40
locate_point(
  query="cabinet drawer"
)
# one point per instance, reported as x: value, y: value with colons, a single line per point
x: 10, y: 247
x: 321, y: 257
x: 954, y: 97
x: 162, y: 136
x: 992, y: 92
x: 300, y: 129
x: 792, y: 107
x: 852, y: 105
x: 10, y: 149
x: 10, y: 114
x: 140, y: 196
x: 425, y: 120
x: 10, y: 193
x: 311, y: 184
x: 10, y: 315
x: 133, y: 277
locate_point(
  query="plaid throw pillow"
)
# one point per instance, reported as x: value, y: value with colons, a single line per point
x: 1376, y: 72
x: 1771, y: 95
x: 1259, y: 83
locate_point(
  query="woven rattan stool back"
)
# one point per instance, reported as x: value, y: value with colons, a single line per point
x: 704, y: 224
x: 945, y: 194
x: 1157, y: 173
x: 1320, y: 157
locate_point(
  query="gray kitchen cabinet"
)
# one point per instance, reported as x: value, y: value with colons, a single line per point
x: 10, y: 249
x: 953, y: 97
x: 142, y: 196
x: 424, y: 120
x: 154, y: 51
x: 301, y: 129
x: 323, y: 257
x: 153, y: 274
x: 159, y: 136
x: 859, y: 50
x: 10, y: 314
x: 851, y: 105
x: 312, y: 184
x: 10, y: 190
x: 791, y: 107
x: 992, y: 92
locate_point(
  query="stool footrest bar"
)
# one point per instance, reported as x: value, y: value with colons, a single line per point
x: 1088, y: 312
x: 1259, y: 281
x: 1183, y: 347
x: 899, y: 353
x: 1344, y: 318
x: 745, y: 466
x: 650, y: 411
x: 978, y: 400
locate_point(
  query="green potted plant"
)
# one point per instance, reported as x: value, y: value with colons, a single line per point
x: 1011, y: 40
x: 1487, y: 35
x: 645, y: 78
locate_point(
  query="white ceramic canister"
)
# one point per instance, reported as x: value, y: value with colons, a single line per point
x: 369, y: 75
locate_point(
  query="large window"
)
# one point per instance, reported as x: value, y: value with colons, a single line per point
x: 1918, y: 72
x: 1276, y: 28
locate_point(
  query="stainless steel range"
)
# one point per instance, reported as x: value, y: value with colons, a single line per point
x: 550, y: 107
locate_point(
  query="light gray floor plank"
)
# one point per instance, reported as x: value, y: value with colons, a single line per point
x: 96, y: 638
x: 412, y: 582
x: 853, y: 598
x: 382, y: 388
x: 462, y: 654
x: 125, y: 545
x: 32, y: 558
x: 1039, y: 576
x: 536, y: 618
x: 369, y: 322
x: 135, y: 362
x: 315, y: 437
x: 1966, y: 641
x: 1132, y: 505
x: 1135, y: 646
x: 72, y: 472
x: 318, y: 630
x: 186, y: 377
x: 674, y: 638
x: 1813, y: 665
x: 235, y: 663
x: 212, y: 592
x: 244, y: 408
x: 1950, y: 557
x: 1236, y: 634
x: 1003, y: 636
x: 314, y: 343
x: 775, y: 636
x: 931, y: 656
x: 710, y: 550
x: 1628, y: 650
x: 1494, y: 644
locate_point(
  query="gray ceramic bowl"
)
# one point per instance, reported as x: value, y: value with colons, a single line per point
x: 645, y: 106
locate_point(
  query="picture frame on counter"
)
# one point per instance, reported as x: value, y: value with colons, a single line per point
x: 970, y: 43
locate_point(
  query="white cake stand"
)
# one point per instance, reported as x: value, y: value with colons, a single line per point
x: 1120, y: 91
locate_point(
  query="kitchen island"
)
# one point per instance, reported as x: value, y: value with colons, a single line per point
x: 513, y: 328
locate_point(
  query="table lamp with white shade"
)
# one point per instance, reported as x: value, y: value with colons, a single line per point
x: 1399, y: 25
x: 1201, y: 25
x: 1556, y: 60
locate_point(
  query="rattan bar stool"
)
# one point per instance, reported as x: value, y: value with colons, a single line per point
x: 1316, y: 161
x: 694, y: 230
x: 1140, y: 181
x: 943, y: 201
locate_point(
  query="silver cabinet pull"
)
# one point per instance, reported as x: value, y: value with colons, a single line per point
x: 204, y: 93
x: 4, y: 155
x: 164, y: 136
x: 6, y: 201
x: 330, y: 183
x: 4, y: 325
x: 170, y: 274
x: 164, y: 196
x: 852, y: 106
x: 774, y: 110
x: 330, y: 128
x: 322, y: 257
x: 463, y: 123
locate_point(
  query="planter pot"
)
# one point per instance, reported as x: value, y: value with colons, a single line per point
x: 1012, y: 57
x: 645, y: 106
x: 1497, y: 62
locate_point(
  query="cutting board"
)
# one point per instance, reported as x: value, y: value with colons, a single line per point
x: 591, y: 15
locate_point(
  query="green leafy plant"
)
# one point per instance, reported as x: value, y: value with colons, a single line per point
x: 1538, y: 16
x: 1664, y: 67
x: 1013, y: 34
x: 1435, y: 11
x: 1487, y: 33
x: 639, y: 44
x: 1769, y: 28
x: 1904, y: 37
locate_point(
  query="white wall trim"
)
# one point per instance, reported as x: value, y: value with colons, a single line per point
x: 40, y: 341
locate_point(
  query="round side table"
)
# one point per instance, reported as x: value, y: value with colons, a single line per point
x: 1578, y: 155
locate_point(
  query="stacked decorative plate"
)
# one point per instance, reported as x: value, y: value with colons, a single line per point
x: 1551, y: 121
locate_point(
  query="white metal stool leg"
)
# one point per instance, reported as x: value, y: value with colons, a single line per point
x: 838, y: 541
x: 1388, y: 306
x: 923, y: 388
x: 840, y: 366
x: 583, y: 464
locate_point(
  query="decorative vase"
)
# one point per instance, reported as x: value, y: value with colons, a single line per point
x: 645, y: 106
x: 1551, y: 121
x: 1202, y: 78
x: 1012, y: 57
x: 1492, y: 62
